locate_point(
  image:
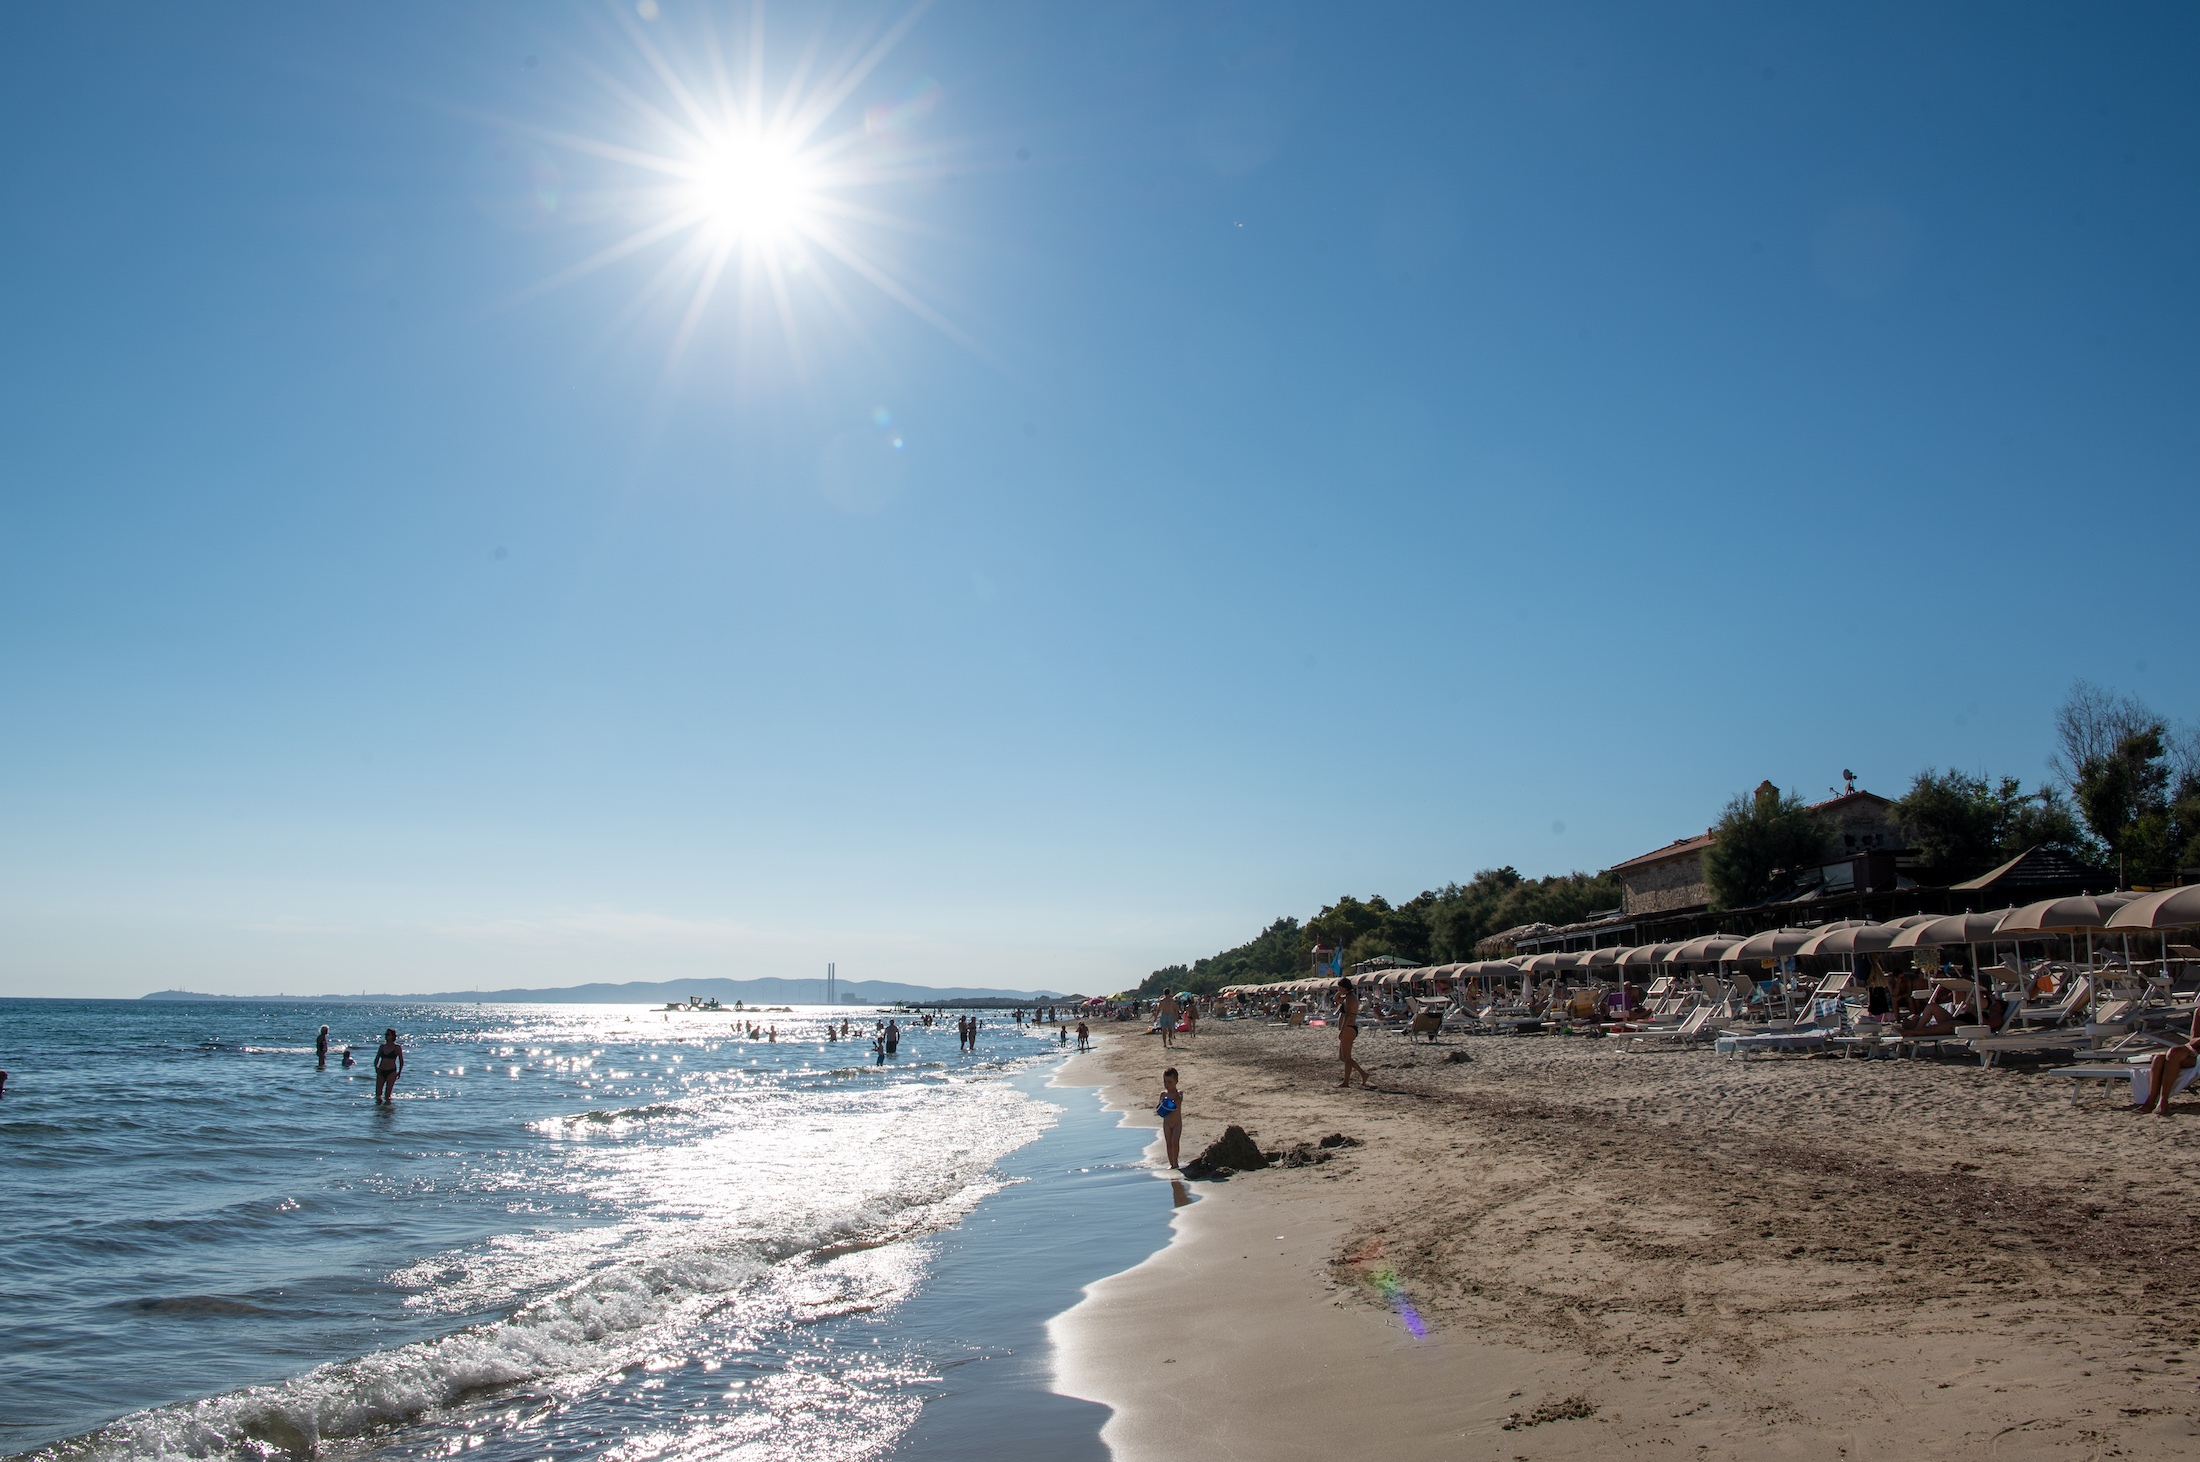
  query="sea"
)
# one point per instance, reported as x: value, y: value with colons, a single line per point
x: 577, y: 1231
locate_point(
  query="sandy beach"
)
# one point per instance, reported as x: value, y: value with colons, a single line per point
x: 1666, y: 1254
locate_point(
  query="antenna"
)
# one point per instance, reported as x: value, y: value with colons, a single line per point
x: 831, y: 975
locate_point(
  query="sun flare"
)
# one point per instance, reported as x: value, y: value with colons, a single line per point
x: 759, y: 197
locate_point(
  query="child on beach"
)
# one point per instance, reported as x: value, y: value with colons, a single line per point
x: 1170, y: 1109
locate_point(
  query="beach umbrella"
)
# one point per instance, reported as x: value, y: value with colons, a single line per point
x: 1851, y: 939
x: 1780, y: 944
x: 1965, y: 929
x: 2168, y: 908
x: 1710, y: 949
x: 2072, y: 916
x: 1777, y: 943
x: 1950, y: 929
x: 1598, y: 958
x: 2061, y: 916
x: 1546, y: 964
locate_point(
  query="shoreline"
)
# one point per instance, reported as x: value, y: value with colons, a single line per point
x: 1670, y: 1252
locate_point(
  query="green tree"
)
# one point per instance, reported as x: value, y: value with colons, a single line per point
x: 1760, y: 845
x: 1273, y: 954
x: 2135, y: 781
x: 1962, y: 825
x: 2044, y: 818
x: 1497, y: 899
x: 1345, y: 923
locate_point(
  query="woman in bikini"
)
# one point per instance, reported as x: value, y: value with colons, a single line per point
x: 1348, y: 1030
x: 2167, y: 1066
x: 389, y: 1064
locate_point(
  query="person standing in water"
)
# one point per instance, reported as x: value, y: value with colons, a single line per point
x: 1348, y: 1031
x: 389, y: 1064
x: 1170, y: 1109
x: 320, y: 1050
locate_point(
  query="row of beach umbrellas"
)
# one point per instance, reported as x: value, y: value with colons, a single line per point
x: 2086, y: 914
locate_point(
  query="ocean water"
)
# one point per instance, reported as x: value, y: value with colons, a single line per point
x: 579, y: 1231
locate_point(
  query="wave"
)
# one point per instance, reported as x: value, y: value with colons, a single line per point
x: 606, y: 1297
x: 609, y: 1115
x: 612, y: 1319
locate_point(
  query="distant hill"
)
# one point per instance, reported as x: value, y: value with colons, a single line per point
x: 656, y: 992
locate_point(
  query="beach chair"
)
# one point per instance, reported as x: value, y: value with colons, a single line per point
x: 2138, y: 1072
x: 2076, y: 993
x: 1697, y: 1026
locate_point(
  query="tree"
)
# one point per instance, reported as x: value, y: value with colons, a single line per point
x: 2044, y: 818
x: 1498, y: 899
x: 1344, y: 923
x: 2134, y: 779
x: 1962, y: 825
x: 1761, y: 843
x: 1953, y: 820
x: 1273, y: 954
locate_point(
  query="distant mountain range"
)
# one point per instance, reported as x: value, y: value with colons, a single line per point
x: 653, y: 992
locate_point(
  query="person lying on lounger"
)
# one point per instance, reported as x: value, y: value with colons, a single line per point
x: 2166, y: 1067
x: 1935, y: 1019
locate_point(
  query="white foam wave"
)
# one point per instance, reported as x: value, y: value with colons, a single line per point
x: 776, y: 1216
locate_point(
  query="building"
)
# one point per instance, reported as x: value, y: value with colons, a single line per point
x: 1667, y: 880
x: 1671, y: 879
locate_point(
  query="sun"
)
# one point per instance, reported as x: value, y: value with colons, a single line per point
x: 757, y: 195
x: 757, y: 191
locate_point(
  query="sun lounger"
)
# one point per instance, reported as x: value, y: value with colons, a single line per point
x: 2072, y: 1003
x: 1732, y: 1043
x: 2139, y: 1075
x: 1695, y: 1027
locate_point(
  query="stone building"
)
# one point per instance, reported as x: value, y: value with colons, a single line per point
x: 1672, y: 877
x: 1669, y: 879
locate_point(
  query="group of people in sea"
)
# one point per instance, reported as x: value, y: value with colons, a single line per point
x: 389, y: 1056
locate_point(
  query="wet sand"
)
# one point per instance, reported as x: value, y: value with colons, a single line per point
x: 1663, y: 1254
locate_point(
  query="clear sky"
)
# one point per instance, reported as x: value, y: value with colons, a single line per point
x: 1140, y: 469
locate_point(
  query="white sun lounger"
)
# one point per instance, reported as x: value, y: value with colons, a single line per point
x: 1741, y: 1045
x: 2140, y: 1075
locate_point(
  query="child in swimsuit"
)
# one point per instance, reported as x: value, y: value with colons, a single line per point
x: 1170, y: 1110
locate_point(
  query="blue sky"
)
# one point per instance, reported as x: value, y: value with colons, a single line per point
x: 1339, y: 449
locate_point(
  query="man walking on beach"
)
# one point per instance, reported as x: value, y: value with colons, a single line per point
x: 1084, y: 1036
x: 1166, y: 1010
